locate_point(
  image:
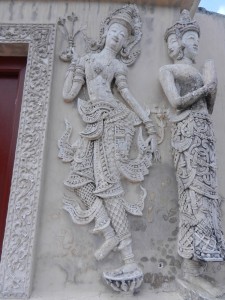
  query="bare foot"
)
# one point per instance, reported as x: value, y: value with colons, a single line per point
x: 127, y: 270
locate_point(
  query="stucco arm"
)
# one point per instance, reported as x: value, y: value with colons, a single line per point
x: 143, y: 115
x: 73, y: 82
x: 121, y: 82
x: 136, y: 107
x: 122, y: 86
x: 166, y: 78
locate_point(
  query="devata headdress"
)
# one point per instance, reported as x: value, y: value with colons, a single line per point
x: 184, y: 24
x: 129, y: 17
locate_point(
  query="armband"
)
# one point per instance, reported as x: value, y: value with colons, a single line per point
x: 121, y: 81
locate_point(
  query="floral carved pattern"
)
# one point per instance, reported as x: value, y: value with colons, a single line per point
x: 19, y: 240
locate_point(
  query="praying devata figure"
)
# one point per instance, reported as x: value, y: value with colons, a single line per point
x: 100, y: 157
x: 192, y: 94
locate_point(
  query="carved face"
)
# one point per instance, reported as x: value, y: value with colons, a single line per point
x: 173, y: 46
x: 190, y: 41
x: 116, y: 37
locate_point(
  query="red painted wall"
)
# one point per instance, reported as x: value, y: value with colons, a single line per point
x: 12, y: 72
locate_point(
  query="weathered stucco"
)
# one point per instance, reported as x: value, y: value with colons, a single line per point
x: 64, y: 266
x: 47, y: 11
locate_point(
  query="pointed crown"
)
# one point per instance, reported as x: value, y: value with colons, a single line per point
x: 184, y: 24
x: 127, y: 16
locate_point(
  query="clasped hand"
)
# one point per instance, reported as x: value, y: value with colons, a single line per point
x: 211, y: 87
x: 75, y: 56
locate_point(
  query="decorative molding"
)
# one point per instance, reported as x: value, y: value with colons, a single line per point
x: 19, y: 240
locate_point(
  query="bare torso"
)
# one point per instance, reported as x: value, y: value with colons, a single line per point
x: 100, y: 72
x: 188, y: 79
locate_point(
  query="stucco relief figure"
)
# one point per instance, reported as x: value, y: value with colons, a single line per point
x: 192, y: 94
x: 101, y: 155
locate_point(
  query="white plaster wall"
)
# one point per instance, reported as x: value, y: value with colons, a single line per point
x: 212, y: 46
x: 65, y: 259
x: 65, y: 266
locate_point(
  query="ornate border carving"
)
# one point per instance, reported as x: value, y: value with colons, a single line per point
x: 19, y: 241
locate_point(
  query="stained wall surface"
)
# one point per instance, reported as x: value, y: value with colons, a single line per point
x: 65, y: 267
x: 212, y: 46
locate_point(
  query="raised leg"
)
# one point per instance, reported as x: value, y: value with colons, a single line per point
x: 130, y: 270
x: 102, y: 221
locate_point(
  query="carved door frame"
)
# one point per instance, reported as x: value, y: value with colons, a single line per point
x: 12, y: 71
x: 17, y: 259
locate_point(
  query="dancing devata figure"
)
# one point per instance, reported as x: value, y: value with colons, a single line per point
x: 192, y: 94
x: 101, y: 155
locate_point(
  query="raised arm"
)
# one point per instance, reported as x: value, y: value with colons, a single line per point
x: 167, y: 81
x: 74, y: 80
